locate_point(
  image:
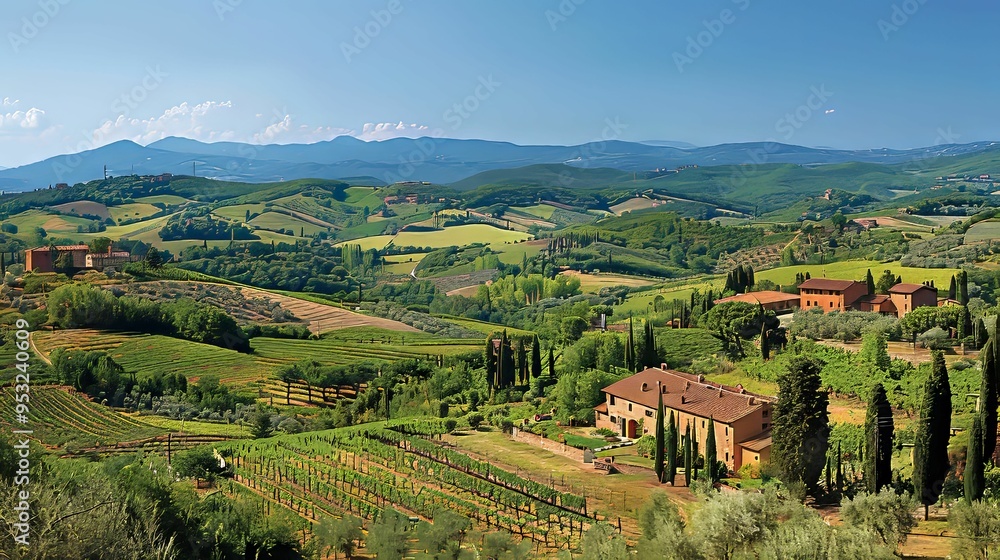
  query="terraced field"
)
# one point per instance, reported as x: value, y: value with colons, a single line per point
x: 60, y: 415
x: 277, y: 221
x: 323, y: 318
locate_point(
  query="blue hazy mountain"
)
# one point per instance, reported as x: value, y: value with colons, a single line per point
x: 437, y: 160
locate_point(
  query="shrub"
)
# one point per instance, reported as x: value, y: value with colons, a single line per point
x: 474, y: 419
x: 603, y: 432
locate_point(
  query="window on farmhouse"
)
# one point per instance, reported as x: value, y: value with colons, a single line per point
x: 612, y: 400
x: 630, y: 407
x: 649, y: 413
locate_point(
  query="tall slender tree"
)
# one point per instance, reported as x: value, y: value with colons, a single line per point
x: 801, y: 429
x: 963, y: 287
x: 552, y: 363
x: 870, y: 281
x: 536, y: 357
x: 877, y: 463
x: 671, y: 450
x: 765, y: 344
x: 975, y: 463
x: 660, y: 437
x: 952, y: 288
x: 930, y: 453
x: 687, y: 455
x: 650, y: 357
x: 630, y: 347
x: 694, y: 451
x: 711, y: 454
x: 988, y: 398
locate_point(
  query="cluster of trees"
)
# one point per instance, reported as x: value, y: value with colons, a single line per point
x: 513, y: 360
x: 83, y: 305
x: 281, y: 267
x: 358, y: 261
x: 199, y: 224
x: 740, y: 279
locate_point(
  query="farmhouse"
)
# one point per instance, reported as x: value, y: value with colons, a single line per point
x: 829, y: 294
x: 742, y: 419
x: 877, y: 303
x: 908, y: 297
x: 770, y: 300
x: 43, y: 259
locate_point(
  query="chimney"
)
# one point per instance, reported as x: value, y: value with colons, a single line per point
x: 686, y: 385
x: 644, y: 387
x: 750, y: 401
x: 663, y: 389
x: 683, y: 399
x: 663, y: 365
x: 720, y: 392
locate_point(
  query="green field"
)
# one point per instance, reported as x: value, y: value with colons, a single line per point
x: 543, y: 211
x: 27, y: 221
x: 456, y: 235
x: 134, y: 211
x: 638, y: 303
x: 484, y: 327
x: 238, y: 212
x: 277, y: 221
x: 363, y: 196
x: 987, y: 230
x: 168, y: 199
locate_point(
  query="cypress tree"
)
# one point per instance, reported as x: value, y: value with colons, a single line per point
x: 630, y: 347
x: 552, y: 363
x: 829, y: 474
x: 930, y: 453
x: 536, y: 357
x: 694, y: 451
x: 507, y: 368
x: 877, y: 463
x: 870, y: 280
x: 649, y: 354
x: 975, y: 464
x: 951, y: 288
x: 687, y: 455
x: 671, y: 451
x: 711, y: 454
x: 765, y: 344
x: 988, y: 398
x: 840, y: 469
x: 658, y: 455
x: 963, y: 287
x: 801, y: 429
x: 491, y: 361
x: 522, y: 362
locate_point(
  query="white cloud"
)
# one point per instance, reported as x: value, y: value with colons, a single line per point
x: 31, y: 119
x: 7, y: 102
x: 385, y: 131
x: 216, y: 121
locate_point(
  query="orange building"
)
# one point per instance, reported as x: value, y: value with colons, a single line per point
x: 742, y: 420
x: 908, y: 297
x: 42, y: 259
x: 831, y: 295
x: 877, y: 303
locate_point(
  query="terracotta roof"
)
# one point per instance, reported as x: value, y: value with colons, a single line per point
x: 46, y: 248
x: 601, y: 408
x: 688, y: 393
x: 761, y: 297
x: 875, y: 299
x: 910, y: 288
x: 828, y: 284
x: 759, y: 442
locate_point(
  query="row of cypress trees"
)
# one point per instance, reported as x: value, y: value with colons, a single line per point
x: 665, y: 454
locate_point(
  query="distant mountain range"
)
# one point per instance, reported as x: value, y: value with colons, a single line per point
x: 436, y: 160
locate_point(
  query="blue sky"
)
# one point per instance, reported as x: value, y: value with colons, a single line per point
x: 848, y: 74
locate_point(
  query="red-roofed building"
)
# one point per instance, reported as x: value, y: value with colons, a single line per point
x: 742, y: 419
x: 908, y: 297
x: 42, y: 259
x: 877, y: 303
x: 831, y: 295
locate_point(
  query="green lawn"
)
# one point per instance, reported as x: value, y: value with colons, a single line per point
x: 543, y: 211
x: 239, y: 211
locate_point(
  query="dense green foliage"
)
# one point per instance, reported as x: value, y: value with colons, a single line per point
x: 801, y: 424
x: 930, y: 455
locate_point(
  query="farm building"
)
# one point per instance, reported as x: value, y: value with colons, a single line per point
x: 742, y: 419
x: 877, y: 303
x: 829, y: 294
x: 43, y: 259
x: 770, y: 300
x: 908, y: 297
